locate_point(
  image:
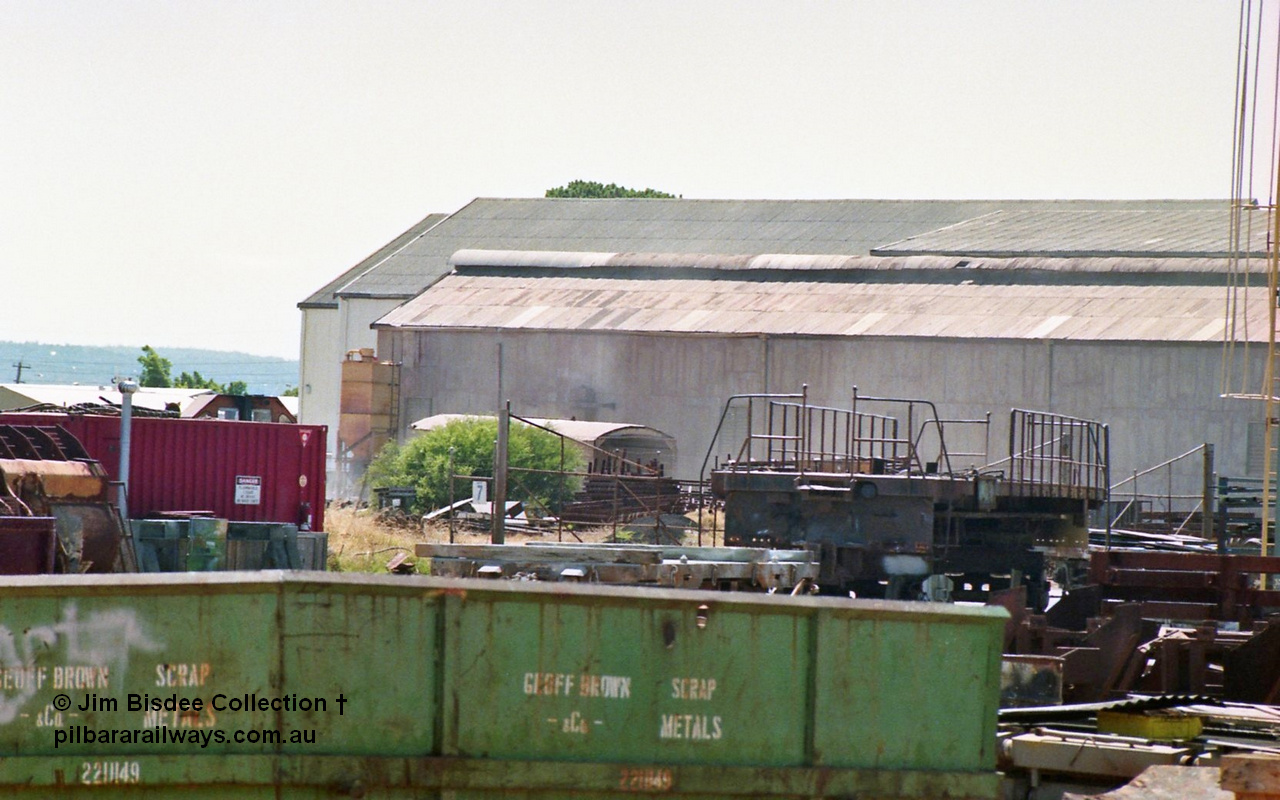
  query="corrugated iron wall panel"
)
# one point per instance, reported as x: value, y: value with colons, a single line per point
x: 192, y: 464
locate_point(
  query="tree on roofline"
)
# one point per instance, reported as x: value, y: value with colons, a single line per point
x: 157, y: 373
x: 155, y: 370
x: 596, y: 189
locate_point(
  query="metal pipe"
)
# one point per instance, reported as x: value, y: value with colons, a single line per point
x: 126, y: 389
x: 500, y: 476
x: 452, y: 451
x: 1106, y: 478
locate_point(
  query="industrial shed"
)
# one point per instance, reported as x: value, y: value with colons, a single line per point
x: 1117, y: 317
x: 338, y: 317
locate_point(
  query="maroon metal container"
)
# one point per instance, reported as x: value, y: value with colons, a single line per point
x: 241, y: 471
x: 27, y: 545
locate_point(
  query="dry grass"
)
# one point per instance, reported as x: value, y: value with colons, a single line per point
x: 361, y: 540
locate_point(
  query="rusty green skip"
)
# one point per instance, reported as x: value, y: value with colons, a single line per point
x: 313, y: 685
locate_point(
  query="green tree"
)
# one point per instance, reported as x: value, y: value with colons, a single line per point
x: 155, y: 370
x: 597, y: 189
x: 196, y: 381
x: 423, y: 463
x: 292, y: 391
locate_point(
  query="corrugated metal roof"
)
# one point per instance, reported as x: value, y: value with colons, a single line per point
x: 817, y: 308
x: 843, y: 227
x: 599, y: 264
x: 67, y: 396
x: 1181, y: 233
x: 324, y: 296
x: 1132, y: 704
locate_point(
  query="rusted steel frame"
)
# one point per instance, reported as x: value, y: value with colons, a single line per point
x: 855, y: 428
x: 1208, y: 562
x: 912, y: 438
x: 702, y: 473
x: 1106, y: 476
x: 15, y: 443
x: 1222, y: 578
x: 1165, y: 609
x: 986, y: 435
x: 1204, y: 451
x: 28, y: 544
x: 581, y: 474
x: 879, y: 441
x: 911, y: 427
x: 819, y: 436
x: 1173, y: 579
x: 39, y: 443
x: 799, y: 444
x: 644, y: 501
x: 808, y: 438
x: 768, y: 450
x: 1058, y: 451
x: 887, y: 441
x: 1229, y: 604
x: 879, y: 434
x: 615, y: 510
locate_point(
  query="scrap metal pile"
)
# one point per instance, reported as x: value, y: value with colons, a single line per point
x: 1165, y: 660
x: 731, y: 568
x: 55, y: 512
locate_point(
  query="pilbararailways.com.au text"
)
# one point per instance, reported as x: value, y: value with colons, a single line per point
x: 186, y: 737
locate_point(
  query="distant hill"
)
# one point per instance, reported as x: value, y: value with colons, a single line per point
x: 75, y: 363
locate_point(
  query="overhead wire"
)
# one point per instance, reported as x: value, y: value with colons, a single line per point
x: 1236, y: 376
x: 1251, y: 200
x: 1229, y: 333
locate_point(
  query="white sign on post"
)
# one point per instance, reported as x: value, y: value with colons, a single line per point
x: 479, y: 491
x: 248, y: 490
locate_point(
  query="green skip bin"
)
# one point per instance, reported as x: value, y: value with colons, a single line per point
x: 309, y: 685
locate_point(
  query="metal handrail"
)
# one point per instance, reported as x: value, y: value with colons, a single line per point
x: 1079, y: 458
x: 1168, y: 496
x: 790, y: 433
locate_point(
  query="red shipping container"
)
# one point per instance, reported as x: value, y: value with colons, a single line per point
x: 242, y: 471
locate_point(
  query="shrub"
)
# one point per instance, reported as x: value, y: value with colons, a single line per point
x: 423, y: 463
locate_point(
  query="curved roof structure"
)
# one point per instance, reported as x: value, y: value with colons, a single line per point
x: 588, y: 432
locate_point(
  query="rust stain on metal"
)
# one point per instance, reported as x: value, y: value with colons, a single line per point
x: 45, y: 472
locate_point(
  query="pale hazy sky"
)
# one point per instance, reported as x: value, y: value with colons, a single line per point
x: 182, y: 173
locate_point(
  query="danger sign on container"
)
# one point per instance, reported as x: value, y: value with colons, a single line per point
x: 248, y: 490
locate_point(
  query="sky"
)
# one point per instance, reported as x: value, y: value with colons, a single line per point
x: 184, y: 173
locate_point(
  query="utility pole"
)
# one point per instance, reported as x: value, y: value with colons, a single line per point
x: 499, y: 498
x: 21, y: 366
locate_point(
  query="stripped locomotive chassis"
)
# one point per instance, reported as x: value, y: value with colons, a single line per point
x: 886, y: 504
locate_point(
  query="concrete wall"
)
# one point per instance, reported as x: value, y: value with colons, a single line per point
x: 327, y: 335
x: 320, y: 376
x: 1159, y: 399
x: 357, y: 315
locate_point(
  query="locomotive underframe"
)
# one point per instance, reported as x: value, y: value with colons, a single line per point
x: 885, y: 534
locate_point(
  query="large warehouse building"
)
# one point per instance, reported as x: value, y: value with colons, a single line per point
x: 622, y: 310
x: 338, y: 318
x: 1109, y: 315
